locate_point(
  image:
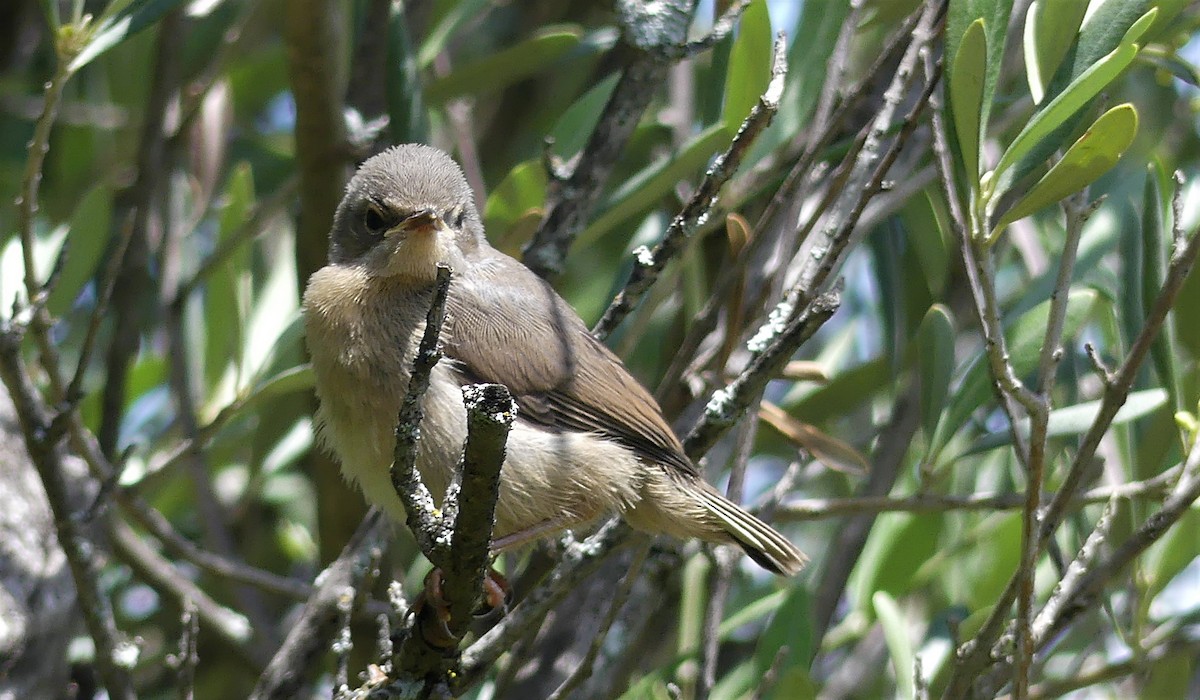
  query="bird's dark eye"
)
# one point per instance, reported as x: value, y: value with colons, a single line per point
x: 374, y: 220
x: 455, y: 217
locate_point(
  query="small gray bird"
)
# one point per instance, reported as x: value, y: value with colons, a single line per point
x: 588, y: 438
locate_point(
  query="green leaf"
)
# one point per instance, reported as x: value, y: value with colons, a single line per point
x: 749, y: 65
x: 960, y: 16
x: 1094, y: 154
x: 1047, y: 24
x: 791, y: 626
x: 289, y: 381
x: 899, y: 643
x: 1154, y: 235
x: 1075, y: 420
x: 1066, y: 104
x: 1169, y: 676
x: 89, y: 233
x: 1110, y: 25
x: 576, y: 124
x: 935, y: 357
x: 899, y: 545
x: 994, y: 548
x: 845, y: 392
x: 966, y: 95
x: 114, y: 29
x: 1025, y: 337
x: 521, y: 193
x: 539, y: 53
x: 1172, y: 554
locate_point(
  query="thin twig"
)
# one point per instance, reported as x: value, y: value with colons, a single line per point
x: 648, y: 264
x: 584, y: 670
x: 1039, y: 418
x: 1058, y: 688
x: 162, y: 575
x: 114, y: 655
x: 729, y: 404
x: 805, y: 509
x: 490, y: 414
x: 975, y: 655
x: 420, y: 509
x: 188, y: 658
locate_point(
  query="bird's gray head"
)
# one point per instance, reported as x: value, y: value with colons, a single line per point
x: 406, y: 210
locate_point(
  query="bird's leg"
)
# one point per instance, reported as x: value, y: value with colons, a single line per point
x: 529, y: 534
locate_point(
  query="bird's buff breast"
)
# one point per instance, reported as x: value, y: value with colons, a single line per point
x: 362, y: 344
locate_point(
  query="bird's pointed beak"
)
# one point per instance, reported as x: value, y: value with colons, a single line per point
x: 424, y: 221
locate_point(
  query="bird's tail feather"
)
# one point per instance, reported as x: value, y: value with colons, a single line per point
x: 760, y: 541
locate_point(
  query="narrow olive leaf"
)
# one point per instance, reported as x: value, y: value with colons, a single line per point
x: 737, y: 232
x: 1075, y: 97
x: 289, y: 381
x: 791, y: 626
x: 1172, y: 554
x: 900, y: 645
x: 1154, y: 235
x: 1139, y: 28
x: 1076, y: 420
x: 118, y: 27
x: 541, y: 52
x: 571, y: 131
x: 959, y: 16
x: 1047, y: 26
x: 749, y: 65
x: 935, y: 359
x: 1025, y: 337
x: 1094, y: 154
x: 828, y: 450
x: 1108, y: 25
x: 966, y: 95
x: 1175, y: 65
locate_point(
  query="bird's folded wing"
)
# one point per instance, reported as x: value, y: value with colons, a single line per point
x: 507, y: 326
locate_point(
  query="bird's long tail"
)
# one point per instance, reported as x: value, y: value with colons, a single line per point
x: 760, y: 541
